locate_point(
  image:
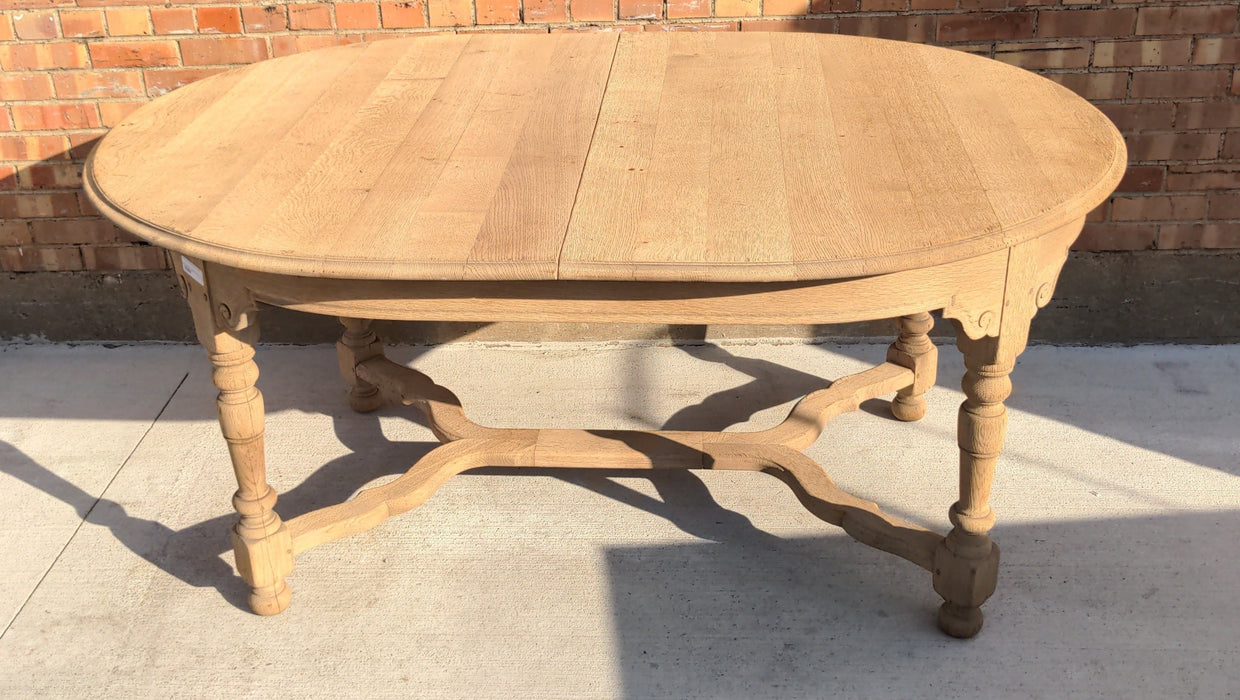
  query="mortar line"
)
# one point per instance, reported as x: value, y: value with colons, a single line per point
x: 90, y: 510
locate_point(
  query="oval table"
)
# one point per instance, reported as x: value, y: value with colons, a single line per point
x: 626, y: 178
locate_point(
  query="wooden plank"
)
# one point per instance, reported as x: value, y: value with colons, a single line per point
x: 990, y: 130
x: 288, y: 161
x: 125, y: 158
x: 821, y: 208
x: 232, y: 134
x: 603, y: 230
x: 525, y: 225
x: 434, y: 195
x: 315, y: 214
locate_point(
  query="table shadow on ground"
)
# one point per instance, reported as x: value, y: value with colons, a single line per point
x: 1084, y: 608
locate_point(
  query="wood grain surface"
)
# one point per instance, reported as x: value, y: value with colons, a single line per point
x: 714, y: 157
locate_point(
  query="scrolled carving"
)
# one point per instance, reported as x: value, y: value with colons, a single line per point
x: 231, y: 301
x: 975, y: 322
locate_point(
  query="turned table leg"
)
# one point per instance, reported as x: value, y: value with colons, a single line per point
x: 966, y: 564
x: 262, y: 543
x: 358, y: 344
x: 914, y: 349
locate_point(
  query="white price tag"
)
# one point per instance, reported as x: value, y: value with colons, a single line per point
x: 193, y: 271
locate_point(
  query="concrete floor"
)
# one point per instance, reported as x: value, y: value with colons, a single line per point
x: 1118, y: 501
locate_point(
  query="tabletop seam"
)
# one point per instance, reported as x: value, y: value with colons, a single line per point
x: 581, y: 176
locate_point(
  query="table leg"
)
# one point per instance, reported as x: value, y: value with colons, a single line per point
x: 263, y: 546
x: 358, y: 344
x: 967, y: 562
x: 915, y: 350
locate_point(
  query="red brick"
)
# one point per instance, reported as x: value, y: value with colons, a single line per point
x: 6, y: 29
x: 1044, y: 54
x: 1216, y: 176
x: 932, y: 5
x: 34, y: 25
x: 981, y: 4
x: 676, y: 9
x: 38, y: 205
x: 8, y: 177
x: 403, y: 15
x: 602, y: 10
x: 640, y: 9
x: 1224, y: 205
x: 316, y: 16
x: 451, y: 13
x: 879, y: 5
x: 1099, y: 213
x: 819, y: 25
x: 1210, y: 50
x: 159, y: 82
x: 782, y: 8
x: 30, y: 86
x: 111, y: 113
x: 51, y: 176
x: 1105, y: 237
x: 612, y: 28
x: 1218, y: 19
x: 1142, y: 178
x: 81, y: 23
x: 506, y: 11
x: 1187, y: 83
x: 122, y: 257
x: 1085, y: 22
x: 820, y: 6
x: 264, y: 18
x: 985, y: 26
x: 134, y: 54
x: 1173, y: 146
x: 129, y: 21
x: 81, y: 143
x: 1177, y: 236
x: 1159, y: 207
x: 33, y: 147
x: 38, y: 259
x: 287, y: 45
x: 284, y: 45
x: 33, y: 4
x: 1150, y: 52
x: 1074, y: 23
x: 1231, y: 145
x: 65, y: 54
x: 96, y: 84
x: 13, y: 232
x: 222, y: 50
x: 172, y: 20
x: 219, y: 20
x: 1139, y: 117
x: 692, y: 27
x: 62, y: 116
x: 361, y: 15
x: 6, y: 124
x: 1093, y: 86
x: 71, y: 231
x: 912, y: 28
x: 1207, y: 115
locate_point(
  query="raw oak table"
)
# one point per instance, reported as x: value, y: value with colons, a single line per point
x: 631, y: 178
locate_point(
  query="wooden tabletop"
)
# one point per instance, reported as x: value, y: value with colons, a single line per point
x: 723, y: 157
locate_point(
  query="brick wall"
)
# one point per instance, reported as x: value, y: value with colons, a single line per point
x: 1165, y: 72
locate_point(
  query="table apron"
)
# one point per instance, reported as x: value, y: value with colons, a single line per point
x: 969, y: 290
